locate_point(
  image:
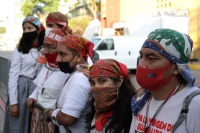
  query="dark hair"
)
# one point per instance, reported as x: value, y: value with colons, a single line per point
x: 25, y: 48
x: 74, y: 52
x: 122, y: 114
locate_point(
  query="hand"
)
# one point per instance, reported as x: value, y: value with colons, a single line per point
x: 47, y: 114
x: 84, y: 69
x: 14, y: 110
x: 29, y: 103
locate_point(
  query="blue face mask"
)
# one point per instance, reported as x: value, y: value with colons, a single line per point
x: 65, y: 67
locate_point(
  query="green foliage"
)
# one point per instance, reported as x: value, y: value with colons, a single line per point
x: 31, y: 7
x: 2, y: 30
x: 78, y: 25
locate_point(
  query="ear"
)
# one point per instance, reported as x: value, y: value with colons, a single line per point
x: 176, y: 71
x: 121, y: 79
x: 79, y: 57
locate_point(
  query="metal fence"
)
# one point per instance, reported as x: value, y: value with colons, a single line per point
x: 4, y: 66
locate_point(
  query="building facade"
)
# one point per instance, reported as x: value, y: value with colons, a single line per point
x: 121, y: 10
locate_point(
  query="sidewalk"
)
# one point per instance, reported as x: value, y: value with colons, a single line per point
x: 194, y: 65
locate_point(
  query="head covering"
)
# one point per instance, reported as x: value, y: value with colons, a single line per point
x: 175, y: 46
x: 58, y: 18
x: 108, y: 68
x: 78, y: 43
x: 35, y: 21
x: 54, y: 36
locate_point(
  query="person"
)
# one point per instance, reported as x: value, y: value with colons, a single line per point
x: 57, y: 20
x: 49, y: 82
x: 21, y: 76
x: 112, y: 91
x: 73, y: 100
x: 60, y: 21
x: 166, y: 80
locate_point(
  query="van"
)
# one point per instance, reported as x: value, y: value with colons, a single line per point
x: 124, y: 49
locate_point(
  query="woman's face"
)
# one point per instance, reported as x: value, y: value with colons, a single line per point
x: 101, y: 82
x: 27, y: 27
x: 49, y: 48
x: 52, y: 25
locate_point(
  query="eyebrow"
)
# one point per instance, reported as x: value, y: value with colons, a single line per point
x: 149, y: 54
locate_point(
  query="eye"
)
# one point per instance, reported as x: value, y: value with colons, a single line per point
x: 151, y: 58
x: 102, y: 81
x: 92, y: 83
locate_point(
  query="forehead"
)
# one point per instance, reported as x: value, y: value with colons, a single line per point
x: 27, y: 24
x: 148, y: 51
x: 62, y: 48
x: 52, y: 25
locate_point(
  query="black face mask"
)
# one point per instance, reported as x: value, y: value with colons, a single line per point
x: 64, y: 66
x: 29, y: 36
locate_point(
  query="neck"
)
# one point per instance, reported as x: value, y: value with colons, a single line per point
x: 35, y: 41
x: 78, y: 63
x: 164, y: 92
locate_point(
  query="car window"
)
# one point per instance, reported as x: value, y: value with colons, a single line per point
x: 106, y: 44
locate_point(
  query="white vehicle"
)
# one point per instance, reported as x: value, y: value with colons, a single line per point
x: 124, y: 49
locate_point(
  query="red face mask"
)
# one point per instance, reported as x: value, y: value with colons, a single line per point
x: 51, y: 58
x: 152, y: 79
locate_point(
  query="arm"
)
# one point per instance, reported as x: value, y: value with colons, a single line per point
x: 74, y: 102
x: 32, y: 98
x: 193, y: 117
x: 14, y: 76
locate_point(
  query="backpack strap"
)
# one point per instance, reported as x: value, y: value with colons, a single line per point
x: 184, y: 111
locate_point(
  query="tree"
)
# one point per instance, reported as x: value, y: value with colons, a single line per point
x: 39, y: 7
x: 93, y: 5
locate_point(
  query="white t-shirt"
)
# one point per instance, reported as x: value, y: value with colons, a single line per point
x: 74, y: 100
x: 49, y: 83
x: 169, y: 113
x: 21, y: 64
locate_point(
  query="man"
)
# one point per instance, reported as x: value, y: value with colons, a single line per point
x: 163, y: 72
x: 73, y: 100
x: 59, y: 20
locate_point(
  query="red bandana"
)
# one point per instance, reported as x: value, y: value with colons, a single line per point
x: 78, y: 43
x: 54, y: 36
x: 59, y: 18
x: 108, y: 68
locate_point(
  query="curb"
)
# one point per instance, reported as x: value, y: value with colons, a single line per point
x: 194, y: 67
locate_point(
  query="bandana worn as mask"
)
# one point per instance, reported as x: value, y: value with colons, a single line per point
x: 51, y: 58
x: 105, y: 98
x: 152, y: 79
x: 65, y: 67
x: 30, y: 36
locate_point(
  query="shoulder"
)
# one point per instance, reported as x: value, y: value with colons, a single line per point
x: 194, y: 105
x: 78, y: 79
x: 78, y: 76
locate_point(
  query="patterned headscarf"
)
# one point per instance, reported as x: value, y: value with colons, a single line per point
x: 175, y: 46
x: 54, y: 36
x: 78, y: 43
x: 35, y: 21
x: 58, y: 18
x: 108, y: 68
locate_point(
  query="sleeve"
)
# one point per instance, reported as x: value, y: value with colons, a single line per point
x: 193, y: 117
x: 77, y: 97
x: 34, y: 94
x: 14, y: 76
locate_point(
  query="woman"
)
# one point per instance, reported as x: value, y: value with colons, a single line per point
x: 57, y: 20
x: 60, y: 21
x: 21, y: 76
x: 112, y: 92
x: 49, y: 82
